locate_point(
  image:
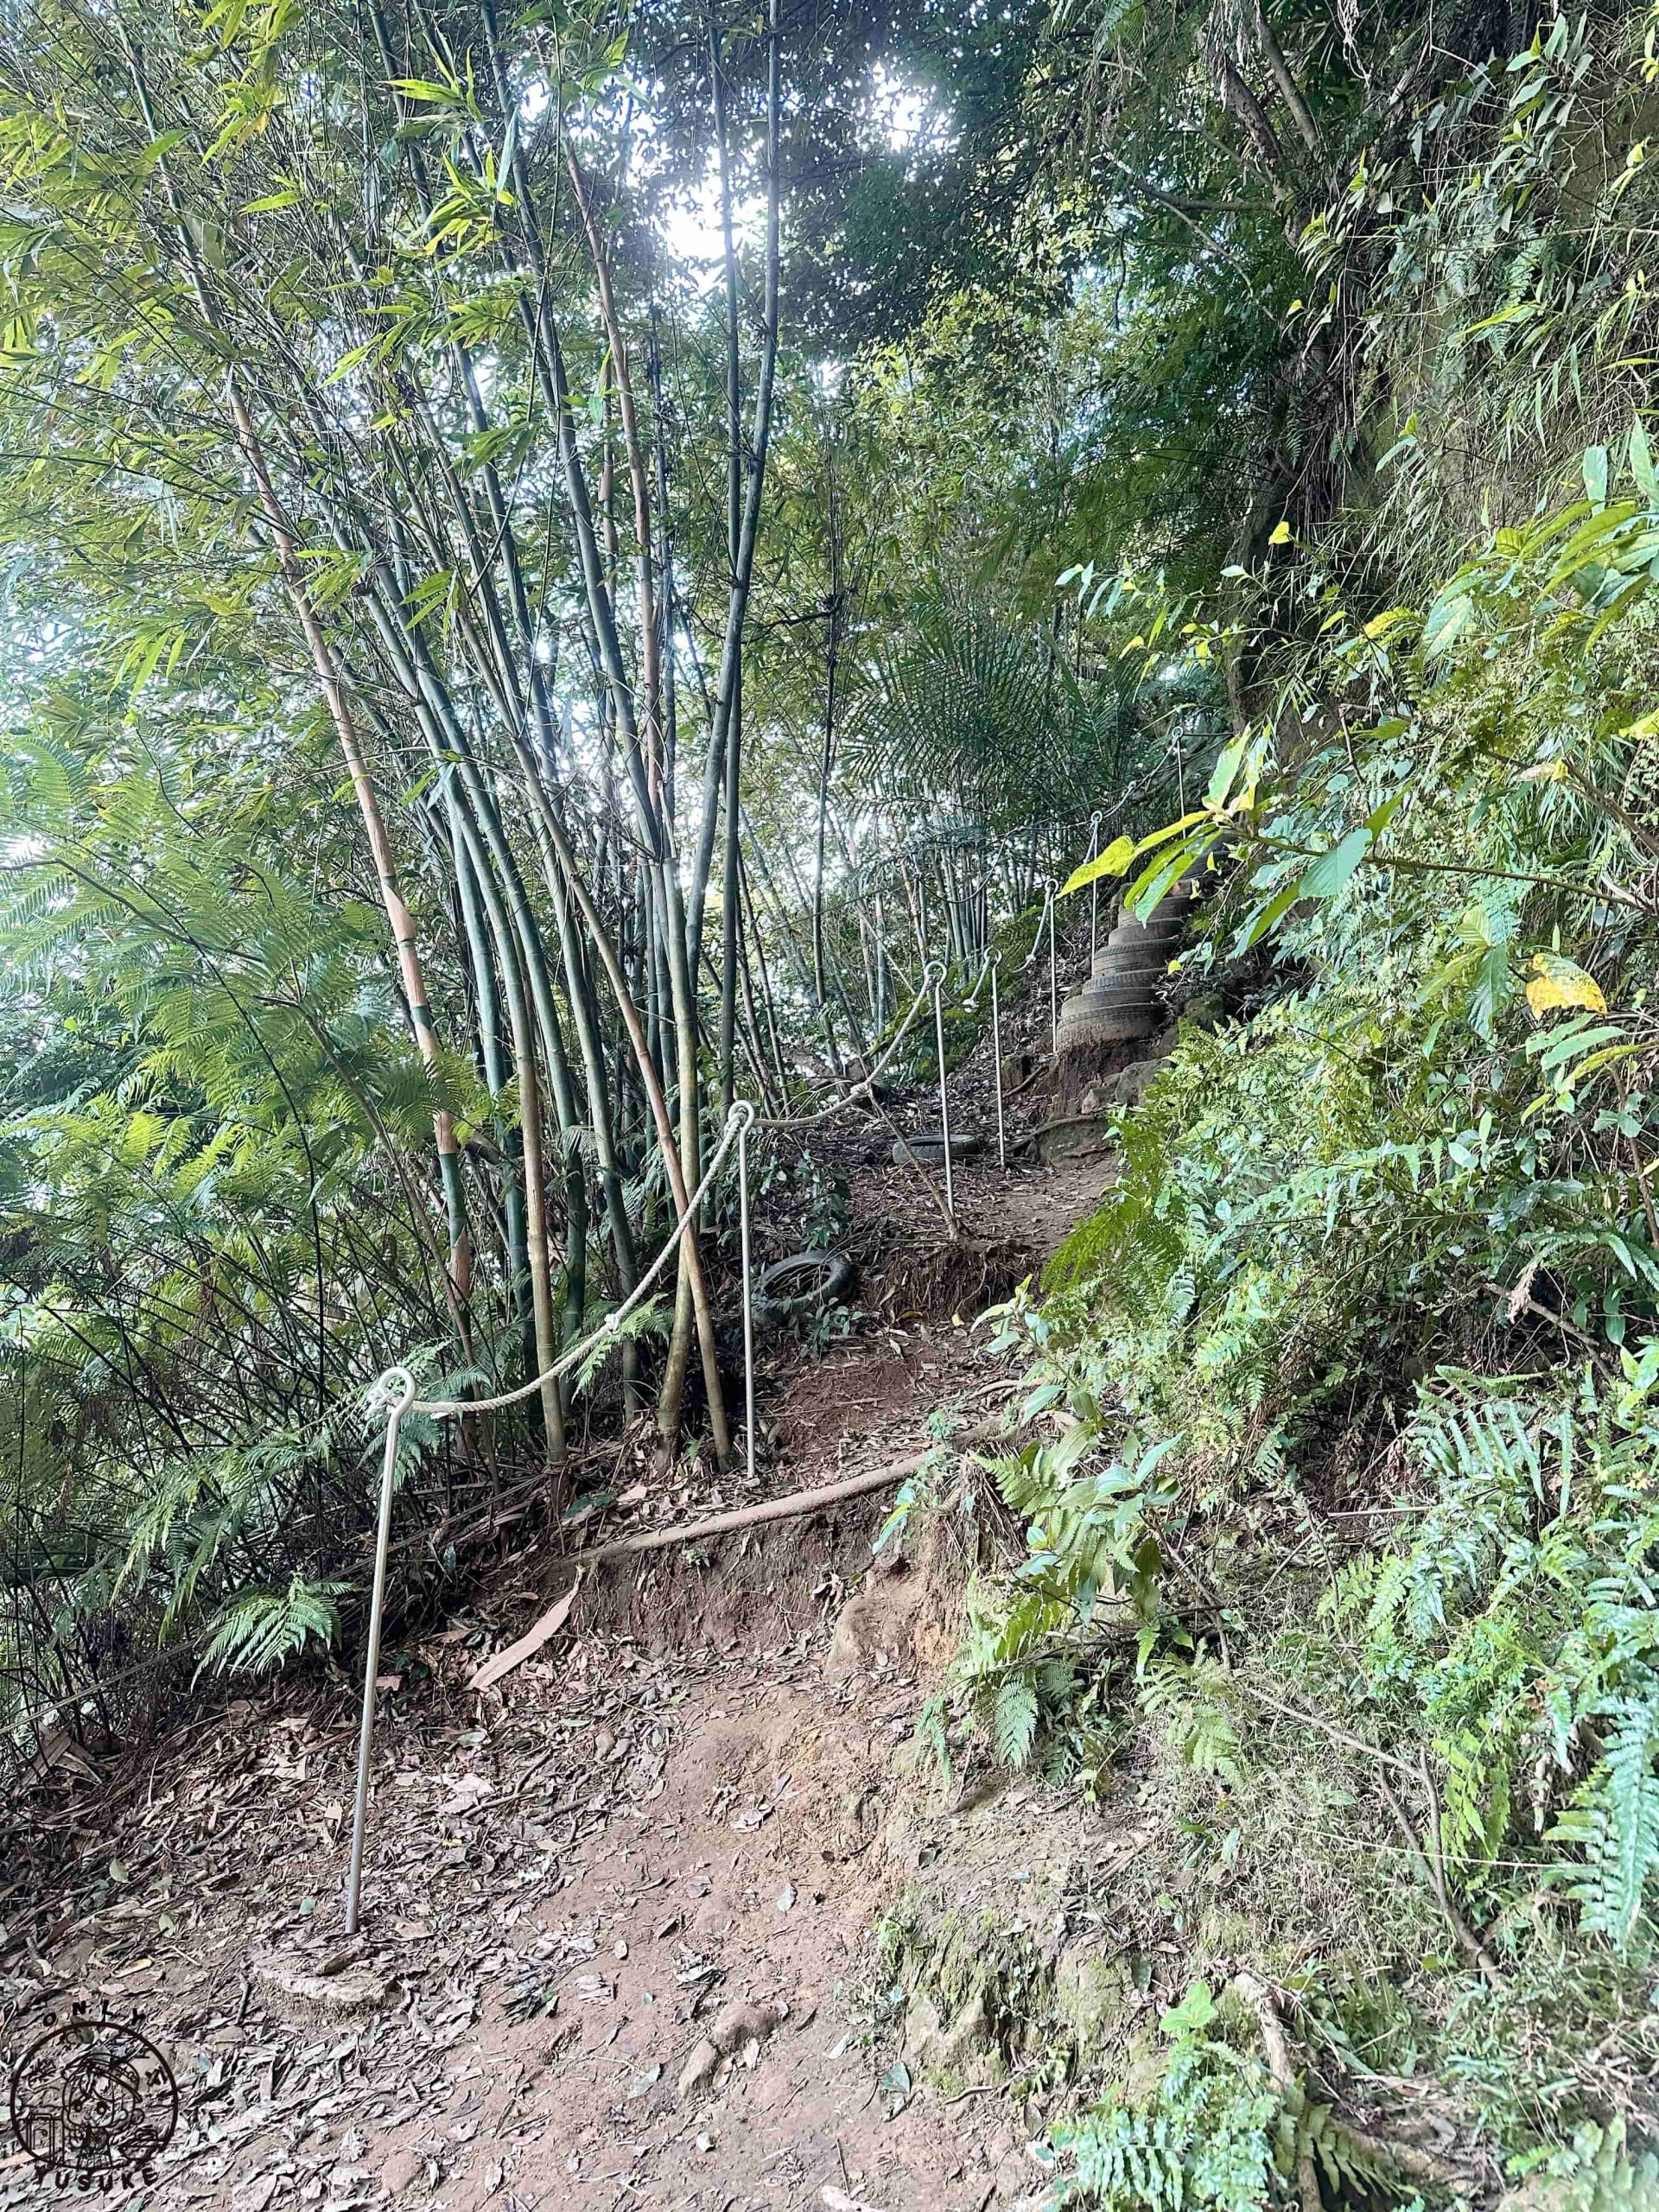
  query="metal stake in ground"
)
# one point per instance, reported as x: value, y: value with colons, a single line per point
x: 1053, y: 977
x: 996, y: 1054
x: 993, y: 961
x: 1094, y: 888
x: 746, y: 1111
x: 396, y: 1391
x: 935, y: 971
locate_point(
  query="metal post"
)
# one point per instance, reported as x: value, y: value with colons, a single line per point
x: 996, y: 1050
x: 1053, y: 978
x: 746, y: 1111
x: 993, y: 961
x: 935, y: 969
x: 396, y: 1391
x: 880, y: 966
x: 1094, y: 888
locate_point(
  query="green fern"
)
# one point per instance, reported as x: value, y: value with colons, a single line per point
x: 1013, y: 1720
x: 262, y: 1629
x: 1614, y: 1820
x: 1187, y: 1699
x: 1598, y: 2171
x: 1522, y: 1619
x: 1216, y: 2134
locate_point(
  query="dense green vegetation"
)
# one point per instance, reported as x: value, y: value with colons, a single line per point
x: 1345, y: 1542
x: 551, y: 557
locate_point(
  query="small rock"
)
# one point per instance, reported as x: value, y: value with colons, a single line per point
x: 930, y: 2047
x: 1146, y: 2062
x: 969, y: 2035
x: 923, y: 2026
x: 699, y: 2068
x: 1091, y: 1994
x: 1126, y: 1088
x: 705, y: 2144
x: 741, y: 2021
x: 878, y: 1618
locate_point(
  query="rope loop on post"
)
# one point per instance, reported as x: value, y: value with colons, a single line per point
x: 1030, y: 960
x: 391, y: 1393
x: 992, y: 959
x: 939, y: 970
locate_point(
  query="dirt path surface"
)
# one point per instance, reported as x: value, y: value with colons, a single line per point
x: 617, y: 1910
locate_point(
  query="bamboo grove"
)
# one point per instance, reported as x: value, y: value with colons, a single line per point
x: 385, y: 506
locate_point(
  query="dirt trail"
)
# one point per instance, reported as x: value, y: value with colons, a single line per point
x: 660, y: 1847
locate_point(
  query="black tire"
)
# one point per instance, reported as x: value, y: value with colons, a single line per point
x: 793, y: 1288
x: 1126, y: 960
x: 928, y: 1146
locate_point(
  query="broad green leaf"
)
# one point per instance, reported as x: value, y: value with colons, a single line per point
x: 1642, y: 468
x: 1195, y: 2012
x: 1333, y: 871
x: 1268, y: 917
x: 1448, y: 618
x: 1383, y: 626
x: 1166, y: 870
x: 1226, y: 767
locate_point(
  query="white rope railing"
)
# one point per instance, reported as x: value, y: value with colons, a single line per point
x: 393, y: 1393
x: 992, y: 968
x: 1047, y: 915
x: 737, y: 1122
x: 865, y: 1084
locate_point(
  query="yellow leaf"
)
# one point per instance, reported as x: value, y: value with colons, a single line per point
x: 1384, y: 626
x: 1113, y: 862
x: 1557, y: 982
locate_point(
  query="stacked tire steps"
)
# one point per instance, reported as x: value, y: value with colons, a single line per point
x: 1118, y: 1003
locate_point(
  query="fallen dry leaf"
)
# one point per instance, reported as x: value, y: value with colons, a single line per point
x: 531, y: 1641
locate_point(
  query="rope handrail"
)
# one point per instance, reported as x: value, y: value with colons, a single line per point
x: 865, y: 1084
x: 389, y: 1388
x: 383, y: 1394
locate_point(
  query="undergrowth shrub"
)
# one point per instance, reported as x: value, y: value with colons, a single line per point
x: 1517, y: 1627
x: 1217, y: 2134
x: 1338, y: 1474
